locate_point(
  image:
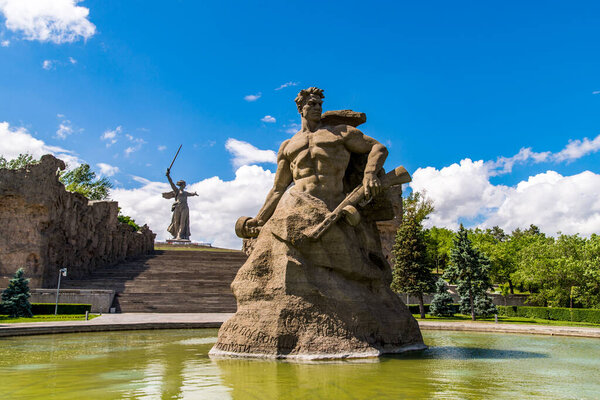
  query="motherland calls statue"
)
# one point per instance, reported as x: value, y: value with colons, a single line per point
x: 180, y: 221
x: 316, y: 284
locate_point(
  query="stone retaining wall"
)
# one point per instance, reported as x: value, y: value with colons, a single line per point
x: 101, y: 300
x: 44, y: 228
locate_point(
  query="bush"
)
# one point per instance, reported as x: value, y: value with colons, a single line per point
x: 125, y: 219
x: 15, y: 298
x: 414, y: 308
x: 441, y: 305
x: 63, y: 308
x: 552, y: 313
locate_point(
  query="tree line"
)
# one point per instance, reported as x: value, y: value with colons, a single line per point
x: 561, y: 271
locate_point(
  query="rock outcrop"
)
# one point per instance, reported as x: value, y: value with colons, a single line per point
x: 43, y: 227
x: 329, y: 298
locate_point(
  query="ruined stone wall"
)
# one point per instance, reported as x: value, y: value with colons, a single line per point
x: 43, y: 227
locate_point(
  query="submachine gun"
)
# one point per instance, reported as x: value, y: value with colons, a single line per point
x: 346, y: 208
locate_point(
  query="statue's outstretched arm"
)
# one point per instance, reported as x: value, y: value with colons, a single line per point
x: 357, y: 142
x: 175, y: 189
x: 283, y: 179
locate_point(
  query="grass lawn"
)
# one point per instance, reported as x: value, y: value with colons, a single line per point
x: 506, y: 320
x: 191, y: 248
x: 5, y: 319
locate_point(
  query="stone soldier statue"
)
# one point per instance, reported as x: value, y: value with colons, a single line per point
x: 316, y: 283
x: 180, y: 221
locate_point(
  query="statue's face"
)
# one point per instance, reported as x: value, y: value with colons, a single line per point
x: 313, y: 108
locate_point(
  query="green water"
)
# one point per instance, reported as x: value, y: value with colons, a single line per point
x: 173, y: 364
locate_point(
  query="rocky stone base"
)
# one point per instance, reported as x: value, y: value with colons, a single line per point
x: 306, y: 299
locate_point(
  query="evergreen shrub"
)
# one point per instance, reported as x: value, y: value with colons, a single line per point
x: 15, y: 298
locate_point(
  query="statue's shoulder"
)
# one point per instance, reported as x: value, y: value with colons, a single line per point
x: 343, y: 118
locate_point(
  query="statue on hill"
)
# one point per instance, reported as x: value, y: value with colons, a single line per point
x: 180, y: 221
x: 316, y: 284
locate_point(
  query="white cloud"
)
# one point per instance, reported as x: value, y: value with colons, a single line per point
x: 555, y: 203
x: 268, y: 119
x: 48, y: 64
x: 110, y: 136
x: 5, y: 43
x: 64, y: 129
x: 58, y: 21
x: 137, y: 146
x: 72, y: 60
x: 574, y: 150
x: 162, y: 148
x: 464, y: 193
x: 107, y: 169
x: 459, y: 191
x: 244, y: 153
x: 253, y: 97
x: 577, y: 149
x: 15, y: 141
x: 287, y: 84
x: 212, y: 214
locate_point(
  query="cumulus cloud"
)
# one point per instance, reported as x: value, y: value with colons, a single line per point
x: 268, y: 119
x: 253, y: 97
x: 162, y: 148
x: 245, y: 154
x: 459, y: 191
x: 5, y: 43
x: 57, y: 21
x: 463, y: 192
x: 287, y: 84
x: 17, y: 140
x: 107, y: 169
x: 110, y: 136
x: 72, y: 60
x: 212, y: 214
x: 555, y: 203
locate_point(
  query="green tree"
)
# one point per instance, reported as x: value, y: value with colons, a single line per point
x: 441, y: 304
x: 553, y: 269
x: 83, y: 180
x: 15, y: 298
x: 469, y: 269
x: 439, y: 243
x: 412, y: 272
x: 588, y: 293
x: 22, y: 161
x: 501, y: 251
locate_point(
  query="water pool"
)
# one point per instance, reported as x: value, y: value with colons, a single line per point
x: 173, y: 364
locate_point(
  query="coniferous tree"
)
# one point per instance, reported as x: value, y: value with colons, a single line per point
x: 441, y: 305
x: 412, y: 272
x: 15, y: 298
x: 469, y: 269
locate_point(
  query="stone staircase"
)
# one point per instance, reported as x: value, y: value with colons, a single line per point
x: 170, y: 281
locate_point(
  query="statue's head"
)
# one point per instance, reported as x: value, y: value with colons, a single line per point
x: 181, y: 183
x: 309, y: 103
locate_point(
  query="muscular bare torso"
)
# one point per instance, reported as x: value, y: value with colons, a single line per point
x: 318, y: 161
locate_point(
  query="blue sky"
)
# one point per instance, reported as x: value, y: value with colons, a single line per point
x: 440, y: 82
